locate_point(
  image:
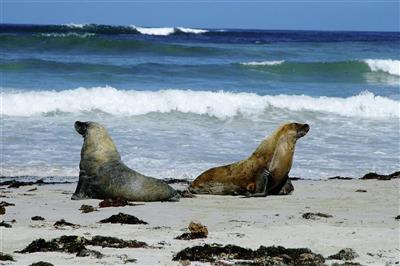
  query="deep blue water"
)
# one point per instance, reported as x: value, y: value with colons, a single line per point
x: 180, y: 100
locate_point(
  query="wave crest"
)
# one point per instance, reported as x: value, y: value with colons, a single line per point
x: 391, y: 67
x: 386, y: 65
x: 165, y: 31
x: 75, y: 25
x: 218, y: 104
x: 264, y: 63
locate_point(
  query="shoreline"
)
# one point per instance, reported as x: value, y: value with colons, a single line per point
x: 363, y: 218
x: 40, y: 180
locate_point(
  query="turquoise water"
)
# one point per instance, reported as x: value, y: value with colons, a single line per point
x: 178, y: 101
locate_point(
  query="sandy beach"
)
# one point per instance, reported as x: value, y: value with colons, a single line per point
x: 363, y: 218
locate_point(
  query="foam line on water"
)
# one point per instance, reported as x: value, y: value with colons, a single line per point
x: 263, y: 63
x: 218, y: 104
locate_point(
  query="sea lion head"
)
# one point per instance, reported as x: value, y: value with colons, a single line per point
x: 89, y: 128
x: 294, y: 130
x: 82, y: 127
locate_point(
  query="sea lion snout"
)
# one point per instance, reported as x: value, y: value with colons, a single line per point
x: 81, y: 127
x: 303, y: 130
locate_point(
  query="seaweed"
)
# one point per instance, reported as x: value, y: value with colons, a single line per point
x: 116, y: 202
x: 344, y: 254
x: 113, y: 242
x: 314, y: 215
x: 6, y: 225
x: 5, y: 204
x: 262, y: 256
x: 4, y: 257
x: 123, y: 218
x: 197, y: 230
x: 87, y: 208
x: 62, y: 222
x: 41, y: 263
x: 37, y: 218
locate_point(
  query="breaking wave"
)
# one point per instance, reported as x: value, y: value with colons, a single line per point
x: 165, y: 31
x: 386, y: 65
x: 217, y: 104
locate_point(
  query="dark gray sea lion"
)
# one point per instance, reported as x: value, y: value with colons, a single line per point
x: 103, y: 175
x: 264, y: 173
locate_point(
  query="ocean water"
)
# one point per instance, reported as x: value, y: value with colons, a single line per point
x: 178, y: 101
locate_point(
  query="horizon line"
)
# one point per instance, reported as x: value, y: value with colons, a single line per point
x: 194, y: 27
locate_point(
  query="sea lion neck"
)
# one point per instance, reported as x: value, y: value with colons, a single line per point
x: 266, y: 148
x: 282, y: 159
x: 98, y: 146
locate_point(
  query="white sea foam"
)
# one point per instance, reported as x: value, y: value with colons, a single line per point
x: 164, y: 31
x: 74, y: 25
x: 264, y: 63
x: 386, y: 65
x: 69, y: 34
x: 219, y: 104
x: 190, y: 30
x: 155, y: 31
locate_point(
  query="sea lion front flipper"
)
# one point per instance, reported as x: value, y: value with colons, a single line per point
x: 262, y: 180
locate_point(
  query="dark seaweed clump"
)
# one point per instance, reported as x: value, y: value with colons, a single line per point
x: 6, y: 225
x: 41, y: 263
x: 190, y: 236
x: 346, y: 263
x: 112, y: 242
x: 117, y: 202
x: 262, y: 256
x: 62, y: 222
x: 87, y: 208
x: 313, y: 216
x: 381, y: 177
x: 89, y: 253
x: 16, y: 184
x: 69, y: 244
x: 344, y: 254
x: 361, y: 190
x: 37, y: 218
x: 5, y: 204
x: 340, y: 178
x: 77, y: 245
x: 4, y: 257
x: 197, y: 230
x: 123, y: 218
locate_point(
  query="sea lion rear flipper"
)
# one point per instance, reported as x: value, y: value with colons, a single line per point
x: 262, y: 180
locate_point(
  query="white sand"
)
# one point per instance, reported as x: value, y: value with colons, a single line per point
x: 362, y: 221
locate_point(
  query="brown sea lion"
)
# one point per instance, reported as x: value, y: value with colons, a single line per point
x: 103, y: 175
x: 264, y: 172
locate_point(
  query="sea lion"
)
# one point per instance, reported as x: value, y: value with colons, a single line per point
x: 264, y: 172
x: 103, y: 175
